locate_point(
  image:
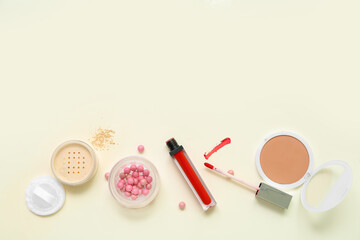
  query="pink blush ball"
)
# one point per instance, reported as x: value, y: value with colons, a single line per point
x: 141, y: 148
x: 135, y: 191
x: 133, y: 167
x: 182, y: 205
x: 140, y: 168
x: 146, y: 172
x: 143, y: 182
x: 122, y: 175
x: 127, y: 170
x: 128, y: 188
x: 148, y: 186
x: 135, y: 174
x: 120, y: 185
x: 107, y: 176
x: 145, y: 191
x: 149, y: 179
x: 136, y: 181
x: 130, y: 181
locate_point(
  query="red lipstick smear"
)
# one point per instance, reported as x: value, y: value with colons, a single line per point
x: 223, y: 143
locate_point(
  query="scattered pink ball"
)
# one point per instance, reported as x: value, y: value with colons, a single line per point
x: 182, y: 205
x: 145, y: 191
x: 107, y: 176
x: 127, y: 170
x: 141, y: 148
x: 146, y: 172
x: 231, y: 172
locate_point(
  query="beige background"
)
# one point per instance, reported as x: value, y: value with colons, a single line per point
x: 192, y: 69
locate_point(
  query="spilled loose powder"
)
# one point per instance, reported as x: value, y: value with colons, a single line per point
x: 103, y: 139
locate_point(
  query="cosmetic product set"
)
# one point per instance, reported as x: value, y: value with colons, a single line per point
x: 284, y: 160
x: 73, y: 163
x: 134, y: 181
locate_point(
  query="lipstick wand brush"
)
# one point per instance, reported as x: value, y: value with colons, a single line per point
x: 252, y: 187
x: 264, y: 191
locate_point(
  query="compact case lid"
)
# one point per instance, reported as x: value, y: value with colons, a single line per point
x: 335, y: 195
x: 44, y: 195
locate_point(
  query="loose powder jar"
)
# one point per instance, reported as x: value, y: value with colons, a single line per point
x: 74, y: 162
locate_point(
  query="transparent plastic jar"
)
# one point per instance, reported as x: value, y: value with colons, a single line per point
x: 114, y: 178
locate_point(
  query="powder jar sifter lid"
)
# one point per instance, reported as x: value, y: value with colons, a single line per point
x: 285, y: 161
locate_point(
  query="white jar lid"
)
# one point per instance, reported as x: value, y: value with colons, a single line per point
x: 44, y: 195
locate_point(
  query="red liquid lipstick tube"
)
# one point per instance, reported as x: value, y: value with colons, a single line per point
x: 190, y: 174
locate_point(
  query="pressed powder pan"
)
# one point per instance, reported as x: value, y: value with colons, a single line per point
x: 285, y: 160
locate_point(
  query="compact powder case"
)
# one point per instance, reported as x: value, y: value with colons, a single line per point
x: 285, y: 160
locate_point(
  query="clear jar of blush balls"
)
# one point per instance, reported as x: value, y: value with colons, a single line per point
x: 134, y: 182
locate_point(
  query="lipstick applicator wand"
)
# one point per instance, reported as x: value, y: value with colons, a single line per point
x: 252, y: 187
x: 264, y: 191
